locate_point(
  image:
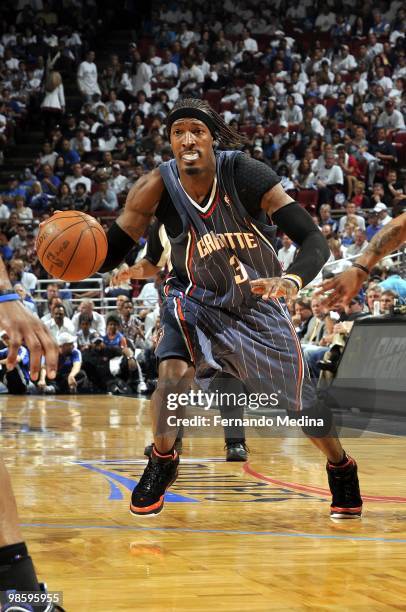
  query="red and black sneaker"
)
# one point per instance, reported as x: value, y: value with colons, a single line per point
x: 148, y: 496
x: 344, y: 487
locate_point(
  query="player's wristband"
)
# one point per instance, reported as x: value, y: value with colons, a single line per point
x: 9, y: 296
x: 295, y: 279
x: 361, y: 267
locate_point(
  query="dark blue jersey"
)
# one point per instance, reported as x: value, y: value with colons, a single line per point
x: 221, y: 246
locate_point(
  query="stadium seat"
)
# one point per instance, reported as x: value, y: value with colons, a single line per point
x: 308, y: 199
x: 213, y: 97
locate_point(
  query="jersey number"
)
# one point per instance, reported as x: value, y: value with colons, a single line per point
x: 241, y: 274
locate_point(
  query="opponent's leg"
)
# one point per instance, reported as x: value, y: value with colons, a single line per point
x: 17, y: 572
x: 175, y: 376
x: 342, y: 475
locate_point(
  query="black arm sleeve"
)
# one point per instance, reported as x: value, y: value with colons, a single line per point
x: 119, y: 244
x: 253, y: 179
x: 154, y: 244
x: 314, y: 251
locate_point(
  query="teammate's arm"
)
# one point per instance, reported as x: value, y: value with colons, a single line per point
x: 313, y: 251
x: 347, y: 284
x: 141, y: 203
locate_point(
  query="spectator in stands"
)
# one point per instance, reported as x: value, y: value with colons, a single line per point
x: 387, y: 301
x: 77, y: 177
x: 104, y: 198
x: 359, y: 198
x: 87, y: 77
x: 131, y: 326
x: 359, y: 245
x: 19, y: 241
x: 390, y: 118
x: 64, y: 199
x: 6, y: 251
x: 287, y: 253
x: 40, y: 202
x: 26, y: 298
x: 50, y: 183
x: 81, y: 200
x: 329, y: 179
x: 113, y: 337
x: 4, y: 211
x: 69, y: 155
x: 86, y: 334
x: 373, y: 225
x: 117, y: 182
x: 383, y: 215
x: 53, y: 104
x: 394, y: 282
x: 97, y: 321
x: 59, y: 322
x: 325, y: 217
x: 13, y: 190
x: 24, y: 213
x: 394, y: 191
x: 350, y: 209
x: 302, y: 316
x: 69, y: 376
x: 16, y: 380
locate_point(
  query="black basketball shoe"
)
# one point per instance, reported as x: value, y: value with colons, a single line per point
x: 236, y: 450
x: 178, y: 447
x: 148, y: 496
x: 344, y: 486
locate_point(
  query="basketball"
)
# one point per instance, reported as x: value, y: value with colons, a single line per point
x: 71, y: 245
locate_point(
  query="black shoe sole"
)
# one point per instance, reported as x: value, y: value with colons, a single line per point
x: 236, y: 458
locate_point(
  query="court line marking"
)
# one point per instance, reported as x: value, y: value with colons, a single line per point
x: 317, y: 490
x: 274, y: 534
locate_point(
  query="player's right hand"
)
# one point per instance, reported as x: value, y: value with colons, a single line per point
x: 23, y: 328
x: 120, y: 275
x: 342, y: 288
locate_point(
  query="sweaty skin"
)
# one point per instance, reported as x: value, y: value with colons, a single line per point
x: 347, y: 284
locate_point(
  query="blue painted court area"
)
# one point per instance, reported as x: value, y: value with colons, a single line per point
x: 273, y: 534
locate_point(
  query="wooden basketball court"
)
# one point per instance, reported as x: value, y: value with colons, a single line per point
x: 232, y: 537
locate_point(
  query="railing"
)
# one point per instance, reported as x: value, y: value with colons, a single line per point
x: 102, y: 303
x: 398, y: 258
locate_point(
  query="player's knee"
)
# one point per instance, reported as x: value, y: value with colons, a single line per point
x: 316, y: 421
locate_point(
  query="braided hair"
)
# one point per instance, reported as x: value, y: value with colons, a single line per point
x: 226, y: 137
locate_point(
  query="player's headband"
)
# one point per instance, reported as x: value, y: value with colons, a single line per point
x: 191, y: 113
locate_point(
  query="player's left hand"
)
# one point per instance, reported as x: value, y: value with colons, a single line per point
x: 277, y: 287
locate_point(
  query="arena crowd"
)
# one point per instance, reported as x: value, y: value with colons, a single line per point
x: 318, y: 90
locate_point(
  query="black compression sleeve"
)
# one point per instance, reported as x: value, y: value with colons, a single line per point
x: 154, y: 244
x: 253, y: 179
x: 119, y: 244
x: 314, y: 251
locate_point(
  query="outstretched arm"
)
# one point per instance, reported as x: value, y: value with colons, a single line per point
x: 23, y: 328
x: 141, y: 203
x: 347, y: 284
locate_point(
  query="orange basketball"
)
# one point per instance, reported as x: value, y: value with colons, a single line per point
x: 71, y: 245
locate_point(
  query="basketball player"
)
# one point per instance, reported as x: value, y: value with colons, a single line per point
x: 224, y: 294
x: 17, y: 572
x: 344, y: 286
x: 157, y: 255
